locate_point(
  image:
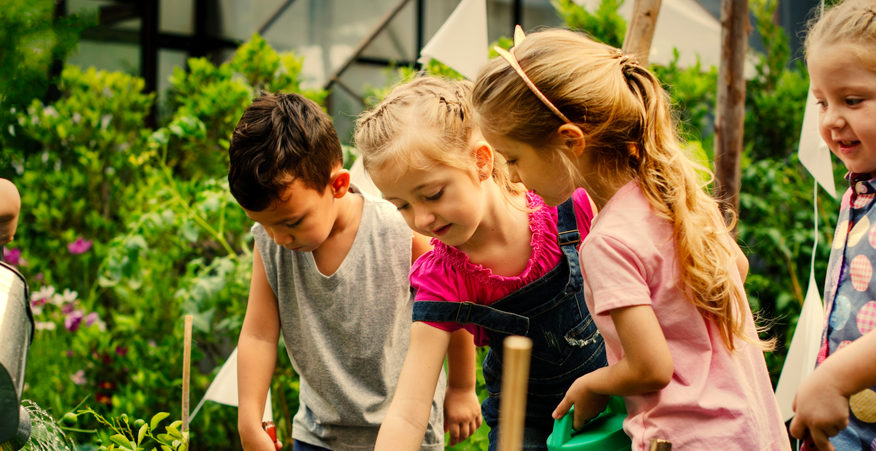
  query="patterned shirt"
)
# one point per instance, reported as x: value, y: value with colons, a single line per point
x: 850, y: 297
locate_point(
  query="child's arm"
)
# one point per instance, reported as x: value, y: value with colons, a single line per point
x: 408, y: 416
x: 646, y: 366
x: 419, y: 245
x: 462, y: 410
x: 10, y: 205
x: 256, y: 357
x: 822, y: 400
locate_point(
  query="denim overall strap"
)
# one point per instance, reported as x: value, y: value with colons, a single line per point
x: 569, y: 238
x: 471, y: 313
x: 565, y: 341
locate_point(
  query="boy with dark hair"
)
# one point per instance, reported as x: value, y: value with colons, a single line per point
x: 330, y: 269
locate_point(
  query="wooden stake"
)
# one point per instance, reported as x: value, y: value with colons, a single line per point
x: 640, y: 31
x: 512, y: 406
x: 187, y: 359
x: 730, y: 114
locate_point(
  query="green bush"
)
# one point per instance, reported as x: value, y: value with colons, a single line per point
x: 125, y: 229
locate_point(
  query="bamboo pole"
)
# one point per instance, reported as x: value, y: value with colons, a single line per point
x: 730, y: 115
x: 512, y: 404
x: 640, y: 31
x: 187, y: 359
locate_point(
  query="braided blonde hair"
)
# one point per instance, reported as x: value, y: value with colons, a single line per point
x: 629, y: 132
x: 424, y: 122
x: 851, y: 21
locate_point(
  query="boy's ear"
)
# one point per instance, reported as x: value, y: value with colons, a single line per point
x: 572, y: 138
x: 483, y: 154
x: 340, y: 183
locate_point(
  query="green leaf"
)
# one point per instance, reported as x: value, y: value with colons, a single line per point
x: 141, y: 434
x: 189, y: 231
x: 153, y: 424
x: 122, y: 441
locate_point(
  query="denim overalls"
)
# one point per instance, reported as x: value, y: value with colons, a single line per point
x: 550, y: 311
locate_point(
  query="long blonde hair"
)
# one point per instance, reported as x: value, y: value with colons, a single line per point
x: 625, y: 116
x: 423, y: 122
x: 851, y: 21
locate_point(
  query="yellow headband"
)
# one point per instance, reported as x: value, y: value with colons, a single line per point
x: 509, y: 56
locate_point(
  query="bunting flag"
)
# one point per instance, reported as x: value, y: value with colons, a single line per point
x: 223, y: 389
x: 800, y: 360
x: 360, y: 178
x: 813, y: 152
x: 461, y: 42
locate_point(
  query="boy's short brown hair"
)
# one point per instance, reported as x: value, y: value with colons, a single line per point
x: 279, y: 138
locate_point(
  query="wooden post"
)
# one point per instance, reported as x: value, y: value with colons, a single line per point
x: 730, y: 117
x: 512, y: 407
x: 640, y: 30
x: 187, y: 359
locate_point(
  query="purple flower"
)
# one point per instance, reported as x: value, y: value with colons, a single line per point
x: 91, y: 318
x: 121, y: 351
x: 72, y: 321
x: 12, y: 256
x: 80, y: 246
x: 67, y: 309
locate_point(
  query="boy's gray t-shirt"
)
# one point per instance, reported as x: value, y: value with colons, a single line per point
x: 347, y: 334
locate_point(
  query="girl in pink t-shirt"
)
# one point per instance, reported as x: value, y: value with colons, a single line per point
x: 663, y: 275
x: 503, y: 262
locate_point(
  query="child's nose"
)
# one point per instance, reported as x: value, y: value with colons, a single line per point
x: 423, y: 218
x: 515, y: 177
x: 281, y: 238
x: 833, y: 119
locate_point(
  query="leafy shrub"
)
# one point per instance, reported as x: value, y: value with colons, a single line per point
x: 126, y: 229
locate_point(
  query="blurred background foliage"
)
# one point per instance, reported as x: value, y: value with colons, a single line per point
x: 126, y: 228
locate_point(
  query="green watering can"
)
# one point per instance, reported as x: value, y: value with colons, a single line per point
x: 603, y: 433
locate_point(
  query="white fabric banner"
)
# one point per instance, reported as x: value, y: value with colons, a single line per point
x: 461, y: 42
x: 813, y: 152
x: 803, y: 352
x: 223, y: 389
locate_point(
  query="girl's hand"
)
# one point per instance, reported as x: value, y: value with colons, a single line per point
x: 255, y: 438
x: 822, y: 412
x: 462, y: 413
x: 587, y: 403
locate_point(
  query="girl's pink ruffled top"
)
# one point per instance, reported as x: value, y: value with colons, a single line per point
x: 446, y: 274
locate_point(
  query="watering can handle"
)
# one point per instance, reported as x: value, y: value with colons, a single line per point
x: 566, y: 425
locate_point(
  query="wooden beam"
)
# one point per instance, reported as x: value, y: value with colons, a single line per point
x: 730, y: 115
x: 640, y: 31
x: 384, y: 22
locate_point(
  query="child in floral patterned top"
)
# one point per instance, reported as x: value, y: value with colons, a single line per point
x: 836, y: 404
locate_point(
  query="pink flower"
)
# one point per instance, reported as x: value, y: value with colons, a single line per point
x: 78, y: 377
x: 12, y: 256
x: 91, y: 318
x: 80, y: 246
x: 72, y: 321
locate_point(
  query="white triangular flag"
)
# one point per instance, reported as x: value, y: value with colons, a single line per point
x: 223, y: 389
x: 800, y: 360
x: 461, y: 42
x: 360, y: 178
x: 813, y: 152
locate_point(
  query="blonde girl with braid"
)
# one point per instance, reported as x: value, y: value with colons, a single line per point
x: 503, y: 262
x: 836, y: 404
x: 663, y: 277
